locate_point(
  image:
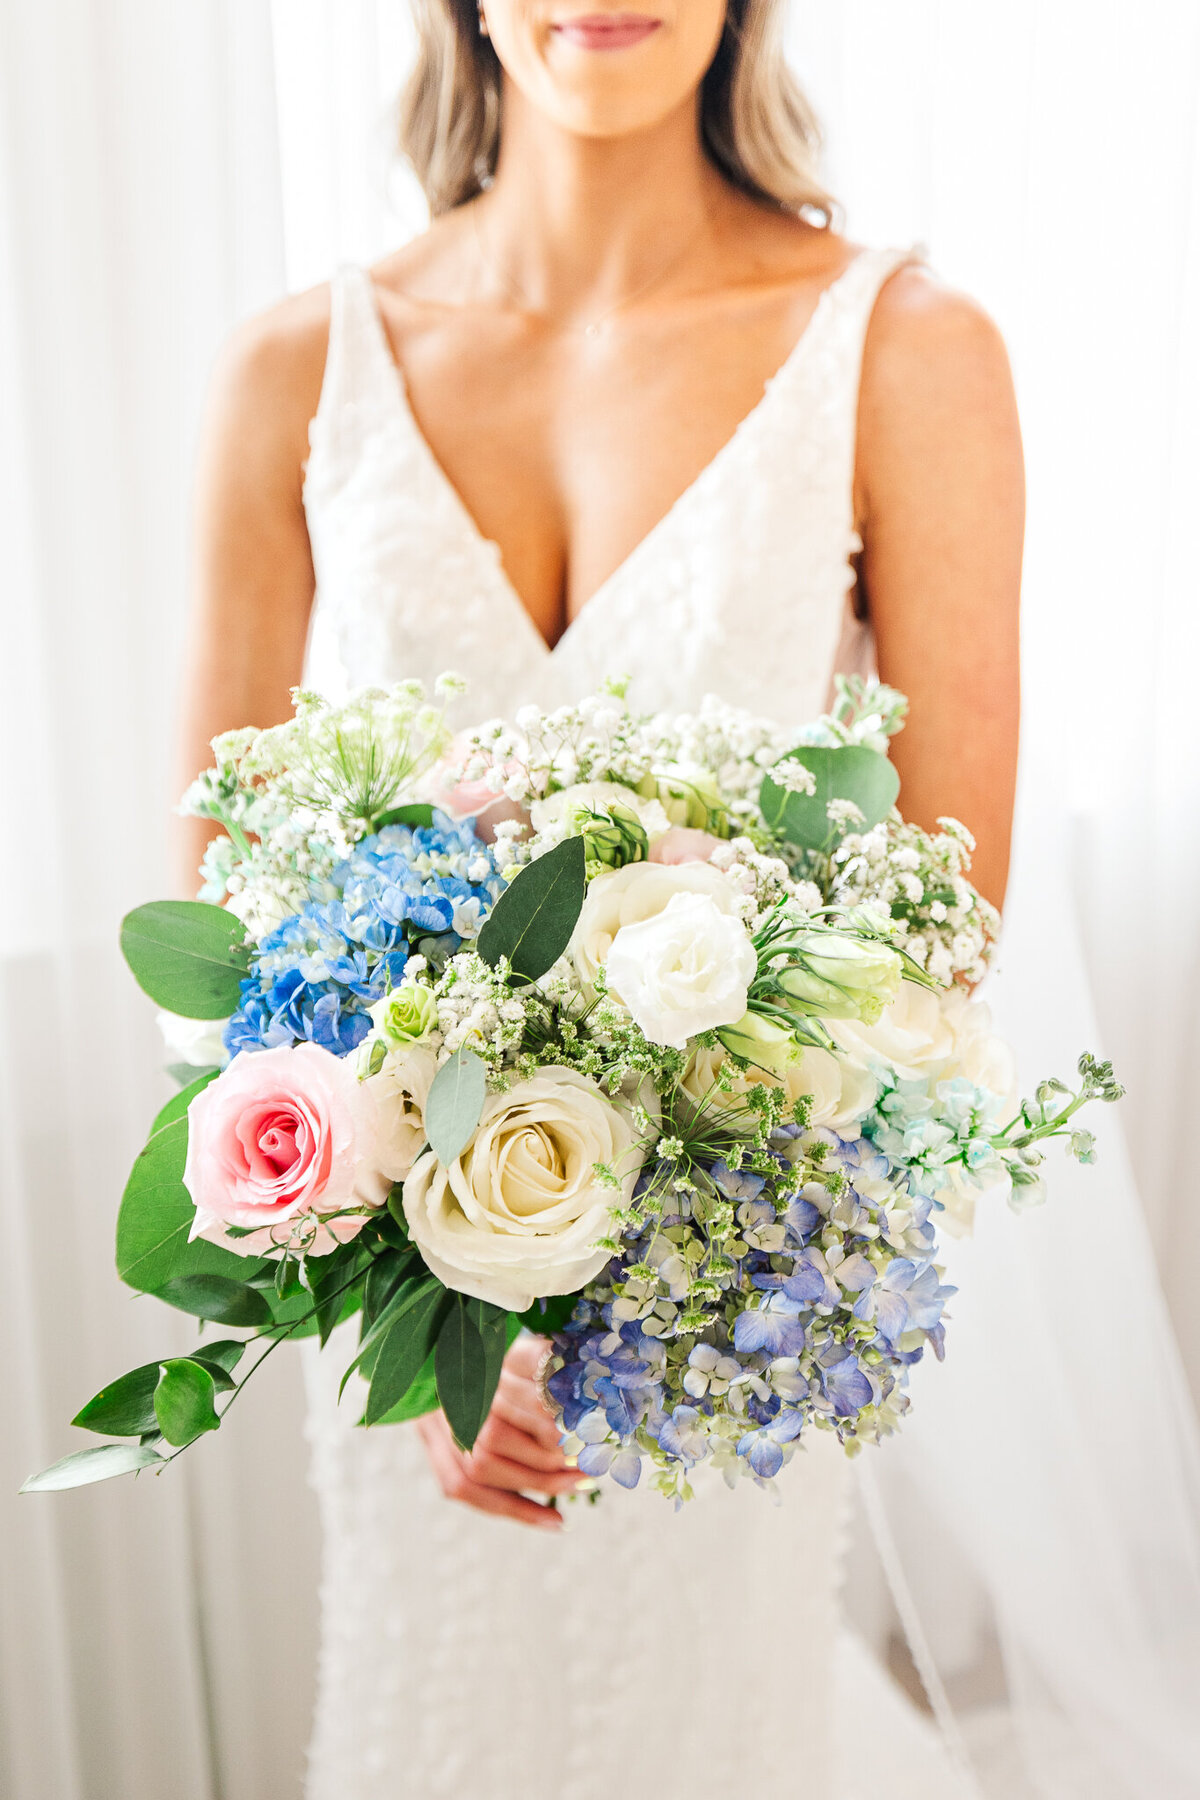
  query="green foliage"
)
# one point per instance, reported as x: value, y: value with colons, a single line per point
x: 100, y: 1463
x: 850, y: 772
x: 184, y: 1401
x: 125, y: 1408
x: 155, y: 1219
x: 407, y: 1335
x: 187, y: 955
x: 416, y: 814
x: 462, y: 1365
x: 532, y: 921
x: 455, y: 1102
x: 548, y: 1315
x: 218, y: 1298
x: 420, y: 1399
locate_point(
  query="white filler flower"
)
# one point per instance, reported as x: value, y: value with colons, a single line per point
x: 517, y: 1214
x: 686, y: 970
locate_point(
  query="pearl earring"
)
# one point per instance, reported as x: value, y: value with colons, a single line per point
x: 483, y: 25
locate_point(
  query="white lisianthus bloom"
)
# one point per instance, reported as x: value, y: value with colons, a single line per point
x: 517, y: 1214
x: 636, y: 892
x: 401, y: 1090
x: 685, y: 970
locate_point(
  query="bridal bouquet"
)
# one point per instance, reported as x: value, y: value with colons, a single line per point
x: 650, y: 1034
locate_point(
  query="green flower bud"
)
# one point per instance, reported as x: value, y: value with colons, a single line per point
x: 612, y: 837
x: 840, y: 977
x: 761, y: 1041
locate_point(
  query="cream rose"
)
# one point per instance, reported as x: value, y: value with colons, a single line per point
x: 517, y: 1214
x: 841, y: 1090
x: 685, y: 970
x: 636, y: 892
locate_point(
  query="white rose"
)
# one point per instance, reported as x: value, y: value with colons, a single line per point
x: 636, y: 892
x: 913, y: 1034
x: 401, y: 1090
x: 841, y: 1090
x: 516, y: 1216
x: 686, y: 970
x: 598, y: 796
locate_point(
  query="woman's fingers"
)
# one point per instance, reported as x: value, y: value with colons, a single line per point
x: 518, y: 1403
x: 449, y: 1466
x: 505, y: 1437
x: 524, y: 1355
x: 488, y: 1469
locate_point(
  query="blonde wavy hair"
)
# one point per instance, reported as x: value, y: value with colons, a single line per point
x: 756, y: 124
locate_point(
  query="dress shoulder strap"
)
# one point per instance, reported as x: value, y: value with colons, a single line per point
x: 358, y: 387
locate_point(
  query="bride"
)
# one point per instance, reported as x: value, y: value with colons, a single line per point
x: 632, y: 404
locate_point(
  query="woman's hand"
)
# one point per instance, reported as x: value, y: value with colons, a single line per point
x: 517, y: 1449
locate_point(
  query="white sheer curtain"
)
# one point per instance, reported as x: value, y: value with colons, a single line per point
x: 165, y: 169
x: 139, y: 217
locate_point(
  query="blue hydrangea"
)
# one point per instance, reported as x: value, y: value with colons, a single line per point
x: 403, y: 889
x: 833, y: 1297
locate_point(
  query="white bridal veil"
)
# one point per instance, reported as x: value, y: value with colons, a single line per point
x: 1039, y: 1515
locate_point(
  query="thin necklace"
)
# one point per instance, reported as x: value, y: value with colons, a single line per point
x: 594, y: 327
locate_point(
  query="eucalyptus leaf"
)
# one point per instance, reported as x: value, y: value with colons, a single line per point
x: 189, y: 957
x: 184, y: 1401
x: 125, y: 1408
x: 417, y: 813
x: 532, y: 921
x: 461, y: 1366
x: 156, y: 1215
x: 218, y: 1298
x: 100, y: 1463
x: 456, y: 1098
x: 847, y: 772
x: 402, y: 1350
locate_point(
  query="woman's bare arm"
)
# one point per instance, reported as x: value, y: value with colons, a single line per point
x: 253, y: 573
x: 941, y: 498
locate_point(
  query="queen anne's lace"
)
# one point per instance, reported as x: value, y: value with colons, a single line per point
x: 462, y: 1656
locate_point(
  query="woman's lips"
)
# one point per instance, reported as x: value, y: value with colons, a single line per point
x: 607, y: 31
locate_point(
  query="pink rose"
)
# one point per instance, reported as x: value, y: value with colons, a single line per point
x: 682, y: 844
x: 283, y: 1143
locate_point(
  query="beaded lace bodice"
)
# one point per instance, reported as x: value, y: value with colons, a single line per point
x: 667, y: 1653
x: 740, y: 589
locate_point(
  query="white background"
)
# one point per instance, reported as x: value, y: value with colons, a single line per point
x: 165, y: 169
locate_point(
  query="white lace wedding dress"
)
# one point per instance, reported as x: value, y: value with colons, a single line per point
x: 643, y: 1650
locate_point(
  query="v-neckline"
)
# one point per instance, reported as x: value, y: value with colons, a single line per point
x: 473, y: 532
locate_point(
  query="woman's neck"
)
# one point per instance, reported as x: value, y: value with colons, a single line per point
x: 575, y: 224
